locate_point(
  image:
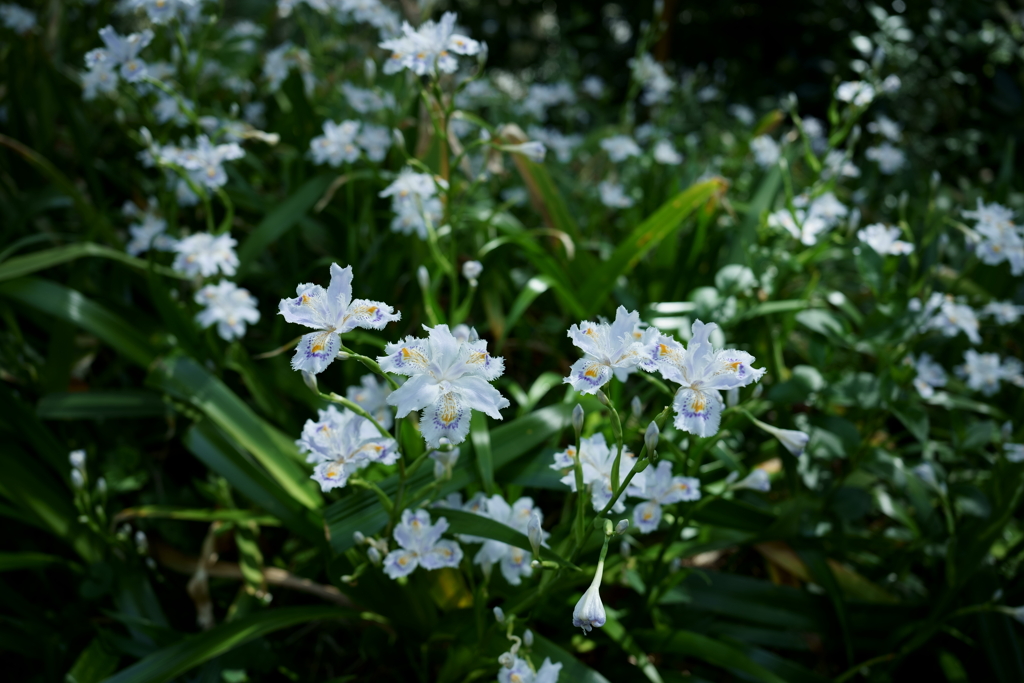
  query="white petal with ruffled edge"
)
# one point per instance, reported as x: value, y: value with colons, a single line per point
x: 647, y: 516
x: 400, y: 563
x: 446, y: 418
x: 697, y: 412
x: 316, y: 351
x: 588, y: 375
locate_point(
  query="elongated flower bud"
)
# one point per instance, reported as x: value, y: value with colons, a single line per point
x: 637, y: 407
x: 793, y: 440
x: 577, y: 419
x: 77, y: 479
x: 621, y: 527
x: 589, y: 611
x: 374, y: 556
x: 528, y: 638
x: 101, y: 486
x: 77, y: 459
x: 651, y: 437
x: 535, y: 533
x: 310, y: 380
x: 499, y: 615
x: 358, y: 538
x: 423, y: 276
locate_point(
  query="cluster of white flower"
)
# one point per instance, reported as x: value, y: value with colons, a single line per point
x: 984, y: 371
x: 810, y: 218
x: 998, y: 237
x: 281, y: 60
x: 421, y: 545
x: 543, y: 96
x: 119, y: 56
x: 613, y: 195
x: 429, y: 48
x: 620, y: 148
x: 414, y: 201
x: 164, y: 11
x: 562, y: 145
x: 203, y: 254
x: 17, y: 18
x: 657, y: 86
x: 345, y: 142
x: 929, y: 375
x: 766, y: 151
x: 884, y: 240
x: 889, y: 159
x: 150, y: 230
x: 944, y: 313
x: 365, y: 100
x: 340, y: 444
x: 514, y: 563
x: 371, y: 394
x: 229, y: 307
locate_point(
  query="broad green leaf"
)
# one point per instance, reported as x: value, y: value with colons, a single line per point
x: 914, y: 418
x: 19, y: 266
x: 208, y: 444
x: 714, y: 652
x: 821, y: 321
x: 280, y: 220
x: 771, y: 307
x: 953, y: 402
x: 734, y: 515
x: 186, y: 380
x: 821, y: 573
x: 481, y: 439
x: 572, y: 669
x: 646, y: 236
x: 196, y: 515
x: 20, y: 420
x: 173, y: 661
x: 93, y: 665
x: 68, y: 304
x: 471, y: 524
x: 27, y: 560
x: 100, y: 404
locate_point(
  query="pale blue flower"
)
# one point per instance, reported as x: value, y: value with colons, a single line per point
x: 429, y: 47
x: 520, y: 672
x: 448, y: 378
x: 514, y: 562
x: 659, y: 487
x: 617, y: 347
x: 340, y: 444
x: 421, y: 545
x: 331, y: 312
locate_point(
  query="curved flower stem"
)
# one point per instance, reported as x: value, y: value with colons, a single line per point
x: 229, y: 216
x: 383, y: 497
x: 617, y: 433
x: 358, y: 410
x: 577, y: 468
x: 371, y: 365
x: 677, y: 528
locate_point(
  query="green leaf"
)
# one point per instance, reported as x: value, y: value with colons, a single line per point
x: 546, y: 197
x: 535, y: 286
x: 68, y: 304
x: 714, y: 652
x: 196, y: 515
x: 13, y: 561
x: 662, y: 223
x: 821, y: 321
x: 734, y: 514
x: 472, y: 524
x: 822, y: 574
x: 572, y: 669
x: 208, y: 444
x: 171, y: 662
x: 280, y: 220
x: 482, y: 450
x: 19, y: 266
x: 186, y: 380
x: 914, y: 418
x: 771, y: 307
x: 93, y: 665
x: 101, y: 404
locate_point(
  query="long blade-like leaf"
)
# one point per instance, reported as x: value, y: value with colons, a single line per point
x: 471, y: 524
x: 30, y: 263
x: 171, y: 662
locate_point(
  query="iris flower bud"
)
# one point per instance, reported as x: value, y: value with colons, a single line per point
x: 577, y: 419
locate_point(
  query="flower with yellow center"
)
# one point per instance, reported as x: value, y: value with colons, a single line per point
x: 331, y: 312
x: 420, y: 545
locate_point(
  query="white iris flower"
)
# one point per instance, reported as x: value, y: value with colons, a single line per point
x: 428, y: 48
x: 371, y: 394
x: 340, y: 444
x: 520, y: 672
x: 421, y: 545
x: 229, y: 307
x: 661, y: 488
x: 597, y: 460
x: 448, y: 378
x: 703, y: 374
x: 331, y: 312
x: 617, y: 347
x: 514, y: 562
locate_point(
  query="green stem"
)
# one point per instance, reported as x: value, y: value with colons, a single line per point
x: 383, y: 497
x: 357, y: 409
x: 371, y: 365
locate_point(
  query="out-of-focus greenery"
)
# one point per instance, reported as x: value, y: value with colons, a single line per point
x: 859, y: 564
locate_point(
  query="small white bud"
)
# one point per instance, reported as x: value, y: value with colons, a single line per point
x: 141, y: 542
x: 310, y: 380
x: 77, y: 459
x: 358, y: 538
x: 535, y: 532
x: 589, y: 612
x: 499, y: 615
x: 651, y: 437
x: 621, y: 527
x: 423, y: 276
x: 624, y: 550
x: 77, y: 479
x: 637, y: 407
x: 101, y: 486
x: 577, y: 418
x: 374, y: 556
x: 528, y: 638
x: 507, y: 660
x: 471, y: 271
